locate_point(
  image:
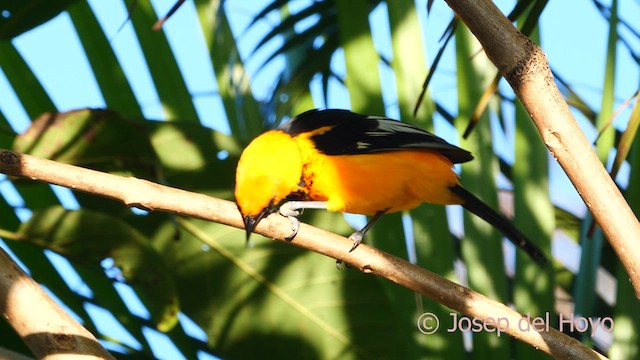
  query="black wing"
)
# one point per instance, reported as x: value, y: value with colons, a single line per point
x: 350, y: 133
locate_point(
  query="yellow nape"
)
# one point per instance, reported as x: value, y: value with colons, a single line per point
x: 270, y: 168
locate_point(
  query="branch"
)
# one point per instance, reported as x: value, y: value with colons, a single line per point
x: 9, y: 354
x: 525, y: 67
x: 42, y: 324
x: 151, y: 196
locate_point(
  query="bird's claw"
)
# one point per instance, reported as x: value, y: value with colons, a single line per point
x: 286, y: 211
x: 295, y: 225
x: 356, y: 237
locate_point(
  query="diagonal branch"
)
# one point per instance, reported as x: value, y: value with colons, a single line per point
x: 525, y: 67
x: 42, y: 324
x: 151, y: 196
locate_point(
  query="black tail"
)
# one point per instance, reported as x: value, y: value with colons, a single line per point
x: 476, y: 206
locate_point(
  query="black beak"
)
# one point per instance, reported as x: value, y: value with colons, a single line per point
x: 250, y: 223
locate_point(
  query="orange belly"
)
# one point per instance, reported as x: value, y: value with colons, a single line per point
x: 392, y: 181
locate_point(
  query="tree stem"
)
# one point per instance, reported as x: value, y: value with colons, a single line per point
x: 525, y: 67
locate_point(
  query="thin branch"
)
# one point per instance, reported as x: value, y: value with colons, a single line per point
x: 42, y: 324
x: 525, y: 67
x: 151, y: 196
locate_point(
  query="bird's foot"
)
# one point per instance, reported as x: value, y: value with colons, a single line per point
x: 356, y: 237
x: 290, y: 213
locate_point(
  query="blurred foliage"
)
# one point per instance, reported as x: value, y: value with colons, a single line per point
x: 20, y: 16
x: 272, y: 298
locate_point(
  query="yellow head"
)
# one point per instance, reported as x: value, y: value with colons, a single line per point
x: 270, y: 169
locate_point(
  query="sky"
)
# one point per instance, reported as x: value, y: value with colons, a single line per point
x: 573, y: 42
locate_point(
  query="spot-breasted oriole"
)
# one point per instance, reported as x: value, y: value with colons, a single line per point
x: 346, y: 162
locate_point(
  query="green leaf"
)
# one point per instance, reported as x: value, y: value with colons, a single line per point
x: 626, y: 315
x: 447, y: 36
x: 434, y: 245
x: 196, y: 158
x: 573, y: 99
x: 606, y: 139
x: 100, y: 139
x: 482, y: 244
x: 627, y: 137
x: 7, y: 135
x: 528, y: 23
x: 114, y: 86
x: 592, y: 239
x: 294, y: 84
x: 277, y: 298
x: 533, y: 291
x: 271, y: 6
x: 89, y: 237
x: 298, y: 98
x: 21, y: 16
x: 163, y: 67
x: 24, y: 82
x: 436, y: 251
x: 106, y: 296
x: 35, y: 100
x: 241, y: 108
x: 324, y: 9
x: 363, y: 80
x: 534, y: 216
x: 364, y: 86
x: 408, y: 59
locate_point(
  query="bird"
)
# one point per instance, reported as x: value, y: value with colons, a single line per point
x: 347, y: 162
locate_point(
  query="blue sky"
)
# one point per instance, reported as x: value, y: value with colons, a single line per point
x: 574, y: 43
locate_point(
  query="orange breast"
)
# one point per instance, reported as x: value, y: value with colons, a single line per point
x: 366, y: 184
